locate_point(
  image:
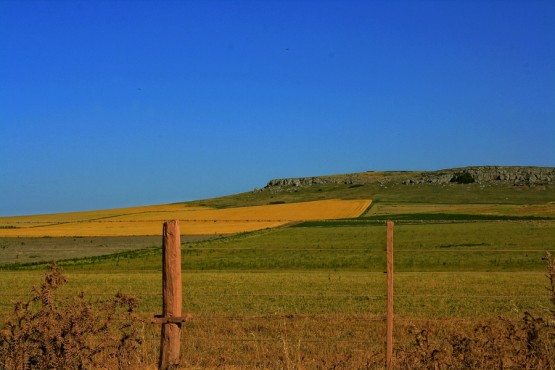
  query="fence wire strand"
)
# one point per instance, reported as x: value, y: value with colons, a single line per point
x: 377, y: 319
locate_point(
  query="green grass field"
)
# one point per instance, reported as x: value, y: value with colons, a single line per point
x: 508, y: 252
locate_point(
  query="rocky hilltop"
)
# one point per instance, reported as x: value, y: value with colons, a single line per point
x: 511, y: 175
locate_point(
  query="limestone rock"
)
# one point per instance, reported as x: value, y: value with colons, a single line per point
x: 512, y: 175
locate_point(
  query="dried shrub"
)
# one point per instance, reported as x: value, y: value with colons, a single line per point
x: 528, y: 343
x: 51, y: 332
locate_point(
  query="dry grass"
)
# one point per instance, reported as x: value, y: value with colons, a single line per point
x: 243, y: 334
x: 200, y: 220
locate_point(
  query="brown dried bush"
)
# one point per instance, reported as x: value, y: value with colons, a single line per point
x: 528, y: 343
x: 52, y: 332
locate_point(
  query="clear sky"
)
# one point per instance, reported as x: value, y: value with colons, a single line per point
x: 108, y: 104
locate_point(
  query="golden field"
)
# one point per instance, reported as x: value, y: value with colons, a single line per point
x: 147, y: 220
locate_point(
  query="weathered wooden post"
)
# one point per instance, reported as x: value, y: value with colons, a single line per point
x: 171, y: 318
x: 389, y: 350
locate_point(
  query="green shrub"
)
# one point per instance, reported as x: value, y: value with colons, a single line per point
x: 462, y: 178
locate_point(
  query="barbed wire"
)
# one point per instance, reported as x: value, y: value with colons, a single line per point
x: 140, y: 221
x: 329, y: 339
x: 304, y: 295
x: 367, y: 250
x: 300, y: 221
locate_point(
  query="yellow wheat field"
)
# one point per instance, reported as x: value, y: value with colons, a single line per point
x: 148, y: 220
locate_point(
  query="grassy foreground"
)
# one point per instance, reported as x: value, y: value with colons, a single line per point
x: 314, y: 319
x: 314, y: 296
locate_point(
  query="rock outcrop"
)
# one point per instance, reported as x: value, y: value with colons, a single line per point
x: 511, y: 175
x: 349, y: 179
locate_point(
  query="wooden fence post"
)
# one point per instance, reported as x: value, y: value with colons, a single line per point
x: 171, y: 296
x: 389, y: 350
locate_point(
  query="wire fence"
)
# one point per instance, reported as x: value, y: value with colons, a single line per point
x: 358, y: 327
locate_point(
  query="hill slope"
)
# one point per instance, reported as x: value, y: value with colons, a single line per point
x: 489, y: 185
x: 487, y: 190
x: 399, y: 196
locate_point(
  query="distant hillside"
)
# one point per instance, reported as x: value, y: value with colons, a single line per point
x: 467, y: 185
x: 510, y: 175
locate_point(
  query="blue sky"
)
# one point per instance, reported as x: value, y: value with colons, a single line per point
x: 107, y: 104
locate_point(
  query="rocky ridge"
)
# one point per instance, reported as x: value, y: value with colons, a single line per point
x: 510, y: 175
